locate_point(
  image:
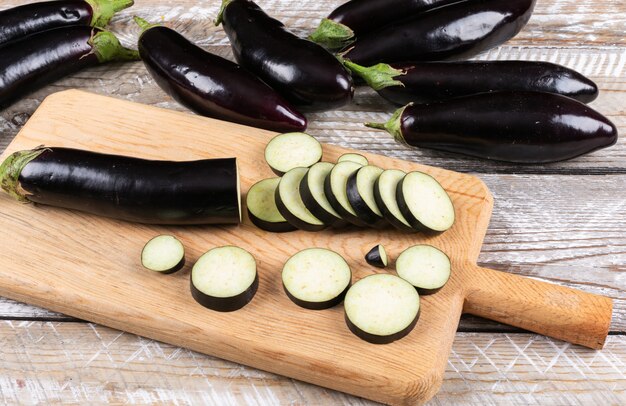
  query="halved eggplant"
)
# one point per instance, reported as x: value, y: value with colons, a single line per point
x: 335, y: 189
x: 381, y: 308
x: 292, y: 150
x: 224, y: 279
x: 316, y: 278
x: 262, y: 210
x: 314, y: 197
x: 377, y: 256
x: 290, y: 204
x: 360, y: 191
x: 425, y: 267
x: 358, y: 158
x: 164, y: 254
x: 385, y: 196
x: 424, y: 203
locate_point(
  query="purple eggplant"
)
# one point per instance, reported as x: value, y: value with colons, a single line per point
x: 302, y: 71
x: 359, y: 17
x: 211, y: 85
x: 39, y: 59
x: 523, y: 127
x: 457, y: 31
x: 18, y: 22
x: 426, y: 82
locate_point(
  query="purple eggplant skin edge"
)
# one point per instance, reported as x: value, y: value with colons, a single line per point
x: 377, y: 339
x: 125, y: 188
x: 303, y: 72
x: 374, y: 258
x: 408, y: 215
x: 387, y: 213
x: 347, y: 216
x: 293, y: 220
x: 317, y: 305
x: 174, y: 269
x: 455, y: 32
x: 427, y: 82
x: 39, y: 59
x: 314, y: 207
x: 516, y: 127
x: 21, y: 21
x: 361, y: 208
x: 225, y: 304
x: 211, y: 85
x: 272, y: 227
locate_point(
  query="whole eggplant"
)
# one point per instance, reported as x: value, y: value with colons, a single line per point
x: 359, y: 17
x: 39, y: 59
x: 522, y: 127
x: 302, y: 71
x: 425, y: 82
x: 211, y: 85
x: 18, y: 22
x: 125, y: 188
x: 457, y: 31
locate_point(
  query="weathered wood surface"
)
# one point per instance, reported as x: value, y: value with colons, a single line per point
x: 574, y: 233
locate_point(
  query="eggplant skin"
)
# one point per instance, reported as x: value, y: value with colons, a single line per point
x: 521, y: 127
x: 434, y: 81
x: 376, y: 339
x: 317, y: 305
x: 213, y: 86
x: 458, y: 31
x: 132, y: 189
x: 302, y: 71
x: 225, y: 304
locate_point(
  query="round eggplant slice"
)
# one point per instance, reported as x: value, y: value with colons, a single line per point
x: 377, y: 257
x: 424, y: 203
x: 314, y: 197
x: 164, y: 254
x: 381, y: 308
x: 360, y: 191
x: 335, y: 187
x: 316, y: 278
x: 358, y: 158
x: 224, y: 279
x: 290, y: 204
x: 292, y: 150
x: 424, y: 267
x: 385, y: 196
x: 262, y: 210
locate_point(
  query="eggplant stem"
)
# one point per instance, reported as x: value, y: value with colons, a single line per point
x: 11, y: 169
x: 332, y: 35
x: 220, y: 15
x: 143, y: 24
x: 103, y: 10
x: 393, y: 126
x: 378, y: 76
x: 107, y: 48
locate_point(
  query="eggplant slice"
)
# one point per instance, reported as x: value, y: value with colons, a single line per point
x: 290, y: 204
x: 316, y: 278
x: 385, y: 195
x: 360, y: 191
x: 314, y: 196
x: 335, y: 187
x: 164, y: 254
x: 424, y: 203
x: 381, y: 308
x: 292, y: 150
x: 262, y: 210
x: 377, y: 257
x: 358, y: 158
x: 425, y: 267
x: 224, y: 279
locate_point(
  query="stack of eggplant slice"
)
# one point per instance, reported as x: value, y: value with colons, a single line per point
x: 43, y: 42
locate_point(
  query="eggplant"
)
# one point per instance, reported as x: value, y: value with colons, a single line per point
x: 377, y: 256
x: 385, y: 190
x: 292, y: 150
x: 302, y: 71
x: 21, y: 21
x: 458, y: 31
x: 211, y: 85
x: 314, y: 197
x: 360, y: 193
x: 521, y: 127
x: 42, y: 58
x: 132, y: 189
x: 164, y: 254
x: 290, y: 205
x: 352, y: 157
x: 262, y: 210
x: 358, y: 17
x: 427, y: 82
x: 425, y: 267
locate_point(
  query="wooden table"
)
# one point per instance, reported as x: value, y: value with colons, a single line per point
x: 564, y: 223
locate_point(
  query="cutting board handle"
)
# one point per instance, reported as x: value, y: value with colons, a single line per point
x: 552, y: 310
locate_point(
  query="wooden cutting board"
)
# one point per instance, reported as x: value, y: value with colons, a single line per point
x: 89, y: 267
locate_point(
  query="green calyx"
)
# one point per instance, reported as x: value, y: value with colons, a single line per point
x: 11, y: 169
x: 104, y: 10
x: 393, y: 126
x: 220, y: 14
x: 332, y: 35
x: 107, y: 48
x: 378, y: 76
x: 143, y: 24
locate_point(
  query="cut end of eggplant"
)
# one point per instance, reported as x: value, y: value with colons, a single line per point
x: 164, y: 254
x: 360, y: 192
x: 292, y: 150
x: 290, y: 205
x: 262, y: 210
x: 381, y: 308
x: 358, y: 158
x: 425, y: 267
x: 424, y: 203
x: 377, y: 257
x: 314, y: 196
x: 316, y: 278
x: 224, y: 279
x: 385, y: 195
